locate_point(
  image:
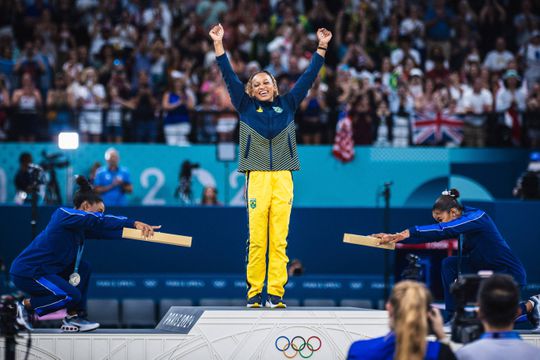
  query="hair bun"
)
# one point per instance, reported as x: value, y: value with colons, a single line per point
x: 84, y: 184
x: 452, y: 192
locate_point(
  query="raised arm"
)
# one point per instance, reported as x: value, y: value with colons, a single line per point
x: 301, y: 87
x: 234, y: 85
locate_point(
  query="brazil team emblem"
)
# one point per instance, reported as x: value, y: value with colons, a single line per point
x: 253, y: 203
x: 277, y: 109
x: 260, y: 109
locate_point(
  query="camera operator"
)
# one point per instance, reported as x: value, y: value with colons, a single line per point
x: 112, y: 181
x: 23, y: 178
x: 498, y: 300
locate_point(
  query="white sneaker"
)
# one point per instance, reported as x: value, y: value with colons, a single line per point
x: 23, y: 319
x: 76, y: 323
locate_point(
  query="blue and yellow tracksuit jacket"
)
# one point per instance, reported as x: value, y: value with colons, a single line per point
x: 268, y: 154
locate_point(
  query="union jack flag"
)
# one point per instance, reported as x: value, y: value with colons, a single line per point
x: 437, y: 128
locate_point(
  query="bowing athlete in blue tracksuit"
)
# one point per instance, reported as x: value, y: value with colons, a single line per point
x: 484, y: 248
x: 50, y: 269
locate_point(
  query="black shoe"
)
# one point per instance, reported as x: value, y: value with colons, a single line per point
x: 534, y: 315
x: 274, y: 302
x: 254, y: 301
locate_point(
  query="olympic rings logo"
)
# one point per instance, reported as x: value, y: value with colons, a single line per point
x: 298, y: 345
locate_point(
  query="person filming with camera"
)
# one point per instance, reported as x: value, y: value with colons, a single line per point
x: 411, y: 316
x: 484, y: 247
x: 50, y: 270
x: 498, y: 301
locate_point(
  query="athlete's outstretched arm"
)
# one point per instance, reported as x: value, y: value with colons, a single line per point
x: 234, y: 85
x: 304, y: 83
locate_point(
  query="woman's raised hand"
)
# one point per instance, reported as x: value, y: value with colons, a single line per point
x: 324, y: 36
x: 216, y: 33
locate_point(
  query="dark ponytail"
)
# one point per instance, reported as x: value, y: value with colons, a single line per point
x: 85, y: 193
x: 448, y: 200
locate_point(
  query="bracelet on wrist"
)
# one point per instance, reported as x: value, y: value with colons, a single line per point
x: 322, y: 48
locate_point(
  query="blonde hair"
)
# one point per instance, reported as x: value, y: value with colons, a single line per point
x: 249, y: 84
x: 410, y: 301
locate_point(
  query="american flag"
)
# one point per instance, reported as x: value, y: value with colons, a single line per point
x: 343, y: 148
x: 437, y: 128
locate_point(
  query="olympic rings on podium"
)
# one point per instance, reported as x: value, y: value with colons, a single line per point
x: 298, y: 345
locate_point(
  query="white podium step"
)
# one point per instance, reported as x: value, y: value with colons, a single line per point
x: 221, y: 333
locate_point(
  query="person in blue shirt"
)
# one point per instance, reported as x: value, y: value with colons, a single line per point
x: 50, y: 270
x: 484, y: 248
x: 410, y: 314
x: 498, y: 303
x: 112, y: 181
x: 268, y: 156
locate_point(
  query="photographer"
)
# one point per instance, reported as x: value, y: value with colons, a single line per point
x: 410, y: 316
x: 112, y: 181
x: 23, y: 178
x: 483, y: 244
x: 498, y: 300
x: 50, y: 269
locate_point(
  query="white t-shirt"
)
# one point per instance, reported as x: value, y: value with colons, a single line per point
x: 476, y: 102
x: 497, y: 61
x: 505, y: 98
x: 90, y: 98
x: 397, y: 56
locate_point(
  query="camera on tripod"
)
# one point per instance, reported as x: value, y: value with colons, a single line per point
x: 413, y: 270
x: 53, y: 161
x: 183, y: 190
x: 466, y: 326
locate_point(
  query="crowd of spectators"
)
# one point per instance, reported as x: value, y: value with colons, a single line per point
x: 144, y: 71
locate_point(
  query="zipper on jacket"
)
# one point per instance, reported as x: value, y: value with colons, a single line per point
x: 248, y: 144
x: 290, y: 144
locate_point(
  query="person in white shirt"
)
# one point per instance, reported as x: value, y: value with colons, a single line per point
x: 477, y: 103
x: 530, y: 53
x: 511, y: 93
x: 89, y: 99
x: 397, y: 55
x: 497, y: 60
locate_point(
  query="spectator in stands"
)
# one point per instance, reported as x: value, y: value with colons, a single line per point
x: 511, y: 102
x: 439, y: 19
x: 144, y: 106
x: 177, y: 102
x: 313, y: 108
x: 27, y: 103
x: 530, y: 55
x: 492, y: 23
x: 209, y: 196
x: 29, y: 62
x: 528, y: 184
x: 484, y: 247
x: 405, y: 50
x: 112, y: 181
x: 497, y: 59
x: 90, y: 99
x: 526, y: 22
x: 531, y: 118
x: 410, y: 312
x: 114, y: 106
x: 4, y: 108
x: 498, y: 301
x: 477, y: 103
x: 58, y: 110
